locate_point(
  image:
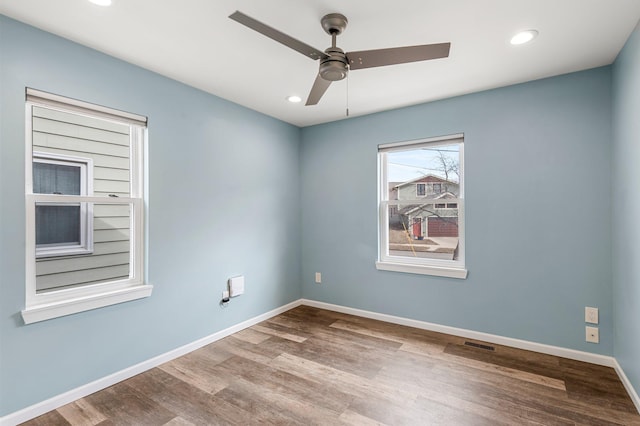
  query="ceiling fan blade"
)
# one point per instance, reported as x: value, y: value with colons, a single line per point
x: 396, y: 55
x: 319, y: 87
x: 278, y: 36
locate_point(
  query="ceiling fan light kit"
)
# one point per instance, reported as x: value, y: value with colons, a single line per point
x: 334, y: 62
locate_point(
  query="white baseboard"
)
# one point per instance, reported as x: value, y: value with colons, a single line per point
x: 82, y: 391
x: 470, y: 334
x: 627, y: 385
x: 40, y: 408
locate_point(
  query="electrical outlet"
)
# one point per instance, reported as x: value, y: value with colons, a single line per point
x: 318, y: 277
x: 591, y: 315
x: 593, y: 336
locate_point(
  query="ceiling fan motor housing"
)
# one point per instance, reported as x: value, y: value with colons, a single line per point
x: 335, y: 67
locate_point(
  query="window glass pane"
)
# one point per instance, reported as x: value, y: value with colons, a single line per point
x: 59, y: 225
x: 56, y: 179
x: 109, y: 261
x: 107, y: 143
x: 426, y: 227
x: 420, y: 231
x: 435, y: 169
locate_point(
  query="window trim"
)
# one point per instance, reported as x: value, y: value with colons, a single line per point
x: 436, y: 267
x: 55, y: 303
x: 86, y: 209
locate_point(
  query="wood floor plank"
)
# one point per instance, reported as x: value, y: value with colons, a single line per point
x: 81, y: 412
x: 121, y: 404
x: 352, y: 418
x: 199, y: 371
x: 178, y: 421
x: 510, y: 392
x: 274, y: 331
x: 311, y: 366
x: 454, y: 385
x: 536, y: 365
x: 251, y: 335
x: 289, y: 385
x: 501, y: 370
x: 48, y: 419
x: 186, y: 401
x: 334, y: 378
x: 258, y: 400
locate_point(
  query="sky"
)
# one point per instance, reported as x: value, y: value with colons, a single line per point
x: 403, y: 166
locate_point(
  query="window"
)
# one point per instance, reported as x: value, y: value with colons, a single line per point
x: 62, y: 229
x: 421, y: 189
x: 84, y: 206
x: 426, y: 235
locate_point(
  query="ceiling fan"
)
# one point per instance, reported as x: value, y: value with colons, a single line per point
x: 334, y: 62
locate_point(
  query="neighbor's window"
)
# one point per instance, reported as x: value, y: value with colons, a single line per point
x: 422, y: 231
x: 84, y: 206
x: 63, y: 228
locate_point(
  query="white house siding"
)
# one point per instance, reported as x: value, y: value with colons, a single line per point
x: 108, y: 145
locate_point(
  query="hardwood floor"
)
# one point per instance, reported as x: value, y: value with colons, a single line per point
x: 311, y: 366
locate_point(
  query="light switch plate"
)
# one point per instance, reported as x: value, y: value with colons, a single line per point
x: 591, y: 315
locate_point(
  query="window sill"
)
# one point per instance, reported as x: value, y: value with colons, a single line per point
x: 437, y: 271
x: 47, y: 311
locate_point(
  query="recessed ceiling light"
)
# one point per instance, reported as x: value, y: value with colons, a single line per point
x: 101, y: 2
x: 524, y: 37
x: 294, y: 99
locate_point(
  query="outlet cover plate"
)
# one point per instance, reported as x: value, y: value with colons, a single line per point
x: 593, y: 335
x: 236, y: 285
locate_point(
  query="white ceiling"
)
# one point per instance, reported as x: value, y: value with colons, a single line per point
x: 194, y: 41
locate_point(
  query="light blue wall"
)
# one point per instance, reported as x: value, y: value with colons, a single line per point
x: 539, y: 151
x: 224, y: 200
x: 626, y: 213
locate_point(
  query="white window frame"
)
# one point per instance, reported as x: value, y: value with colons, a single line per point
x: 424, y: 186
x: 437, y: 267
x: 40, y: 306
x: 86, y: 209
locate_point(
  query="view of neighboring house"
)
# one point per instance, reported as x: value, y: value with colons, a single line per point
x: 80, y: 243
x: 436, y: 216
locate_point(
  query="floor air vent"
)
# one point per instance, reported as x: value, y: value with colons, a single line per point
x: 480, y: 346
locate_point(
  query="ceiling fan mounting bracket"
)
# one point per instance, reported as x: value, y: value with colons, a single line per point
x: 334, y: 23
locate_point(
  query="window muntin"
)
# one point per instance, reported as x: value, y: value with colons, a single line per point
x: 85, y: 167
x: 421, y: 189
x: 422, y: 232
